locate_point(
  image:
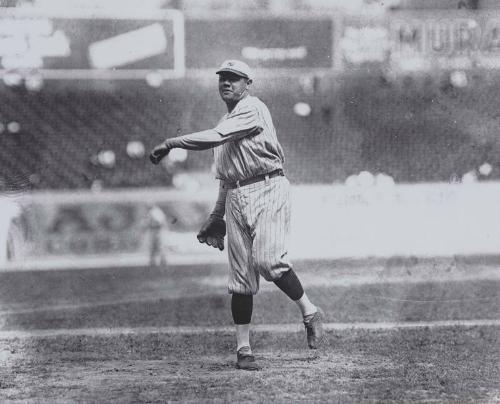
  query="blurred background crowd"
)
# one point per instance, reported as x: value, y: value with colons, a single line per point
x: 401, y: 91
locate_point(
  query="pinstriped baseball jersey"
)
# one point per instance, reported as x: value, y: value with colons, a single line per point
x: 255, y: 150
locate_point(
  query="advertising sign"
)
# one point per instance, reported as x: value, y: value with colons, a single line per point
x: 83, y: 225
x: 453, y: 40
x: 84, y: 228
x: 364, y: 43
x: 261, y: 42
x: 89, y: 44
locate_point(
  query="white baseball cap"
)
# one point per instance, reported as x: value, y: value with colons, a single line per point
x: 237, y: 67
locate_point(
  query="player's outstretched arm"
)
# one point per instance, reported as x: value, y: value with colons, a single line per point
x: 244, y: 123
x: 203, y: 140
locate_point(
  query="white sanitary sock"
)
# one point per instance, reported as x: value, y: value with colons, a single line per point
x: 243, y: 336
x: 305, y: 306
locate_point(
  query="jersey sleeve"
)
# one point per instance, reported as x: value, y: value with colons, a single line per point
x: 245, y: 121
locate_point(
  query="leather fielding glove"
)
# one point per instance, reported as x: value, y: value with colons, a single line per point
x: 213, y: 232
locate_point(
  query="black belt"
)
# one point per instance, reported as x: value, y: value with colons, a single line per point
x: 253, y: 180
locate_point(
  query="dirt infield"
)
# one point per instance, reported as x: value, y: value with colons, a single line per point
x: 448, y: 364
x: 181, y: 347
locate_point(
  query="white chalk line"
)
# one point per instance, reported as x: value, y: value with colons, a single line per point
x: 259, y: 328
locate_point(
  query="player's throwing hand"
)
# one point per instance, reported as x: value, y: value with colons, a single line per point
x: 159, y: 152
x: 213, y: 232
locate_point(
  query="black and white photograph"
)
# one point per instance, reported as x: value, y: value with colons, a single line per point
x: 256, y: 201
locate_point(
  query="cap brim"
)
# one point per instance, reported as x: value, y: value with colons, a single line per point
x: 238, y: 73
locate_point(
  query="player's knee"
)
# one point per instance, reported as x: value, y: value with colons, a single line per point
x: 244, y: 288
x: 263, y: 267
x: 271, y: 265
x: 269, y: 276
x: 271, y: 272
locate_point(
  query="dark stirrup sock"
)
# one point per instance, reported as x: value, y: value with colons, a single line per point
x: 241, y: 308
x: 290, y: 284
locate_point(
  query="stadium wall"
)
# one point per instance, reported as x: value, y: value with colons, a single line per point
x: 364, y: 219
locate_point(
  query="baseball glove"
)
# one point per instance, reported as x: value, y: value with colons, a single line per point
x: 213, y: 232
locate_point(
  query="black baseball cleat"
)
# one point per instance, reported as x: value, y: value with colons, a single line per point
x: 314, y: 329
x: 245, y: 360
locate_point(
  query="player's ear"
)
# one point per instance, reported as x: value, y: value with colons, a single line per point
x: 249, y: 82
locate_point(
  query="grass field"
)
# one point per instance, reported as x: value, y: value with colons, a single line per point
x: 397, y: 330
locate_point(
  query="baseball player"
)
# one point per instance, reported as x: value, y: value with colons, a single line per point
x: 156, y: 224
x: 254, y: 196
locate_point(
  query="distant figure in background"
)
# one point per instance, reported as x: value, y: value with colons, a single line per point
x: 10, y: 230
x: 156, y: 223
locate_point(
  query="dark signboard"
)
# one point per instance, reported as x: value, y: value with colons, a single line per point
x: 261, y: 42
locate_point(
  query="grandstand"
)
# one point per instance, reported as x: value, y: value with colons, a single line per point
x: 415, y: 130
x: 414, y: 126
x: 63, y: 127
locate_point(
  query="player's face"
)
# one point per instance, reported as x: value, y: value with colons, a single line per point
x: 232, y: 87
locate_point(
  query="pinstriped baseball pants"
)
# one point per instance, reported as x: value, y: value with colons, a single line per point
x: 258, y: 227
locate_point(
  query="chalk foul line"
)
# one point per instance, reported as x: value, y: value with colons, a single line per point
x: 270, y: 328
